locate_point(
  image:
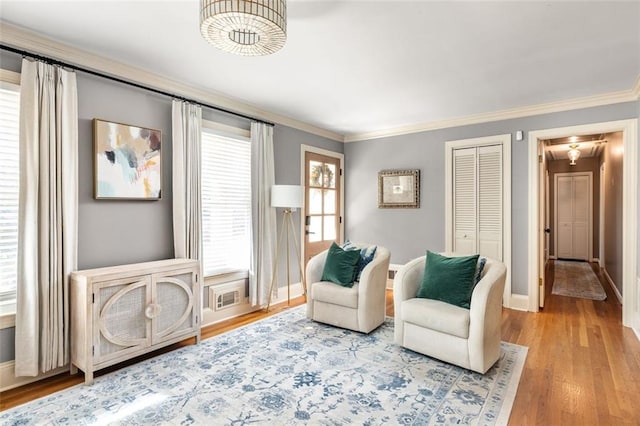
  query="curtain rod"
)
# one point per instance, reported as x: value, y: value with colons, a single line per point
x: 130, y: 83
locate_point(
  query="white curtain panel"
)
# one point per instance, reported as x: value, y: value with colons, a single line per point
x: 47, y: 230
x: 263, y: 216
x: 187, y: 211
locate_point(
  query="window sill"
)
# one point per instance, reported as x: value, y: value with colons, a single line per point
x: 7, y: 315
x: 225, y: 277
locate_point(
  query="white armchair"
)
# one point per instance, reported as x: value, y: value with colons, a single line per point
x: 469, y: 338
x: 359, y: 308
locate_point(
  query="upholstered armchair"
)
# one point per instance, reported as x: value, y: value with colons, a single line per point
x: 469, y: 338
x: 359, y: 308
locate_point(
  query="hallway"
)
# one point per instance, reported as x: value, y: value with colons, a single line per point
x: 583, y: 367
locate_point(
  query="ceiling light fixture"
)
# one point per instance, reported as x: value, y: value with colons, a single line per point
x: 573, y: 153
x: 244, y: 27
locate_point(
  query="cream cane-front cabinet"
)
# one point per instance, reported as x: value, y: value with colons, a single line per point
x: 121, y: 312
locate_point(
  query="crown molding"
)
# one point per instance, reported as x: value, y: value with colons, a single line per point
x: 507, y: 114
x: 27, y: 40
x: 33, y: 42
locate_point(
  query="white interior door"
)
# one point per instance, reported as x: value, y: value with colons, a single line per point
x: 478, y: 201
x: 581, y: 189
x: 464, y: 201
x: 543, y: 217
x: 490, y: 201
x: 573, y: 215
x: 564, y: 229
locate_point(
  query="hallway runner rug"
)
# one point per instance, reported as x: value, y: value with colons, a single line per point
x: 287, y: 370
x: 577, y: 279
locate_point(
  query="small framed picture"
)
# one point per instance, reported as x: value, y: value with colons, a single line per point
x: 399, y: 189
x: 127, y: 161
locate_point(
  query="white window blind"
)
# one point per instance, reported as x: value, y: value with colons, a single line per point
x: 226, y: 203
x: 9, y: 188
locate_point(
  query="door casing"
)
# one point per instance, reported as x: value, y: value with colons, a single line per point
x: 303, y: 150
x: 505, y: 141
x: 631, y: 290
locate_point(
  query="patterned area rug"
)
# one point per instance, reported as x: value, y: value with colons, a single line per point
x: 577, y: 279
x: 287, y: 370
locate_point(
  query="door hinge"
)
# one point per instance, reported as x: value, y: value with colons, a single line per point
x: 540, y: 282
x: 93, y: 298
x: 340, y: 172
x: 93, y: 351
x: 196, y: 319
x: 539, y: 158
x: 340, y: 219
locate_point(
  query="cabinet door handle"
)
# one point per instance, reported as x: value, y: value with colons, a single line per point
x: 152, y: 310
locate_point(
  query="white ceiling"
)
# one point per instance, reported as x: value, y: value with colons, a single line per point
x: 363, y: 66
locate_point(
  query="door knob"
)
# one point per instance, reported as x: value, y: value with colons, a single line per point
x: 547, y: 230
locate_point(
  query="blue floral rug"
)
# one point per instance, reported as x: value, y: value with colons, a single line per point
x: 287, y: 370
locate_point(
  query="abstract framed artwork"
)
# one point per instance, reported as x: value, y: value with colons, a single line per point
x: 127, y: 161
x: 399, y: 189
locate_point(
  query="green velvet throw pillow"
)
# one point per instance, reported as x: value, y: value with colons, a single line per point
x: 340, y: 266
x: 449, y: 279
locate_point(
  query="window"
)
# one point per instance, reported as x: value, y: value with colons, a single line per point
x: 9, y: 183
x: 226, y: 203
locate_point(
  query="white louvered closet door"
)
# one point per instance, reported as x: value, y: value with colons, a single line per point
x: 478, y: 201
x: 490, y: 201
x: 464, y: 201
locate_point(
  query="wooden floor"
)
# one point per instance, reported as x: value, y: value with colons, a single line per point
x: 583, y: 367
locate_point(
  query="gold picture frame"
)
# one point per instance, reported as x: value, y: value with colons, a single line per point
x: 399, y: 189
x: 127, y: 161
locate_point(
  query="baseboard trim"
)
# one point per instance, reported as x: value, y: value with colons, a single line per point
x: 595, y: 260
x: 612, y: 285
x: 519, y: 302
x: 281, y: 293
x: 9, y: 380
x: 395, y: 266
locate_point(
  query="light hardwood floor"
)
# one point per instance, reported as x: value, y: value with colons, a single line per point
x: 582, y: 368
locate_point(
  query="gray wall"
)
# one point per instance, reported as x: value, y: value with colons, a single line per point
x: 114, y: 232
x: 409, y: 232
x: 591, y: 164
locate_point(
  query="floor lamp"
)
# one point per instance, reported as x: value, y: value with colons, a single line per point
x: 288, y: 197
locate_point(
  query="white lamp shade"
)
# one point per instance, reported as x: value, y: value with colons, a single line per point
x: 288, y: 196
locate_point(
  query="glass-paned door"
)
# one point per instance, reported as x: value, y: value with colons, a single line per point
x: 322, y: 207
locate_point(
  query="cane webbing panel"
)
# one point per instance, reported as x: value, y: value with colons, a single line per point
x: 123, y: 320
x: 176, y: 302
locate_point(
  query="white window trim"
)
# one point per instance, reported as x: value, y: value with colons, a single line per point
x: 8, y: 308
x: 9, y: 76
x: 225, y: 130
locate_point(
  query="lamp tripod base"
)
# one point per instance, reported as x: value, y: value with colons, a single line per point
x: 288, y: 229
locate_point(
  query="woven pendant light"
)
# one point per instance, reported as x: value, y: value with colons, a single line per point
x: 244, y: 27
